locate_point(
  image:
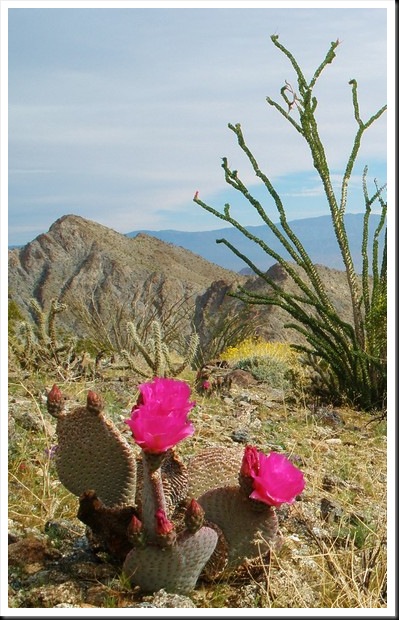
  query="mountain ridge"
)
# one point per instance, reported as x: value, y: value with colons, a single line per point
x: 316, y: 235
x: 95, y: 269
x: 106, y: 279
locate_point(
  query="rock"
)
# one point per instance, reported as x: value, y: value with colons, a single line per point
x: 64, y: 530
x: 334, y: 441
x: 67, y: 594
x: 166, y: 600
x: 30, y: 551
x: 328, y: 417
x: 242, y: 378
x: 331, y: 510
x: 240, y: 436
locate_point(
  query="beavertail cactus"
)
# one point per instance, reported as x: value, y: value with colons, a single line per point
x: 212, y: 468
x: 167, y: 522
x: 248, y: 531
x: 92, y: 454
x: 245, y: 513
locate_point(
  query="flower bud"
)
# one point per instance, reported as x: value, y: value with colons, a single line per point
x: 135, y: 533
x: 165, y: 529
x: 250, y: 462
x: 55, y: 401
x: 249, y: 469
x: 194, y: 516
x: 94, y: 402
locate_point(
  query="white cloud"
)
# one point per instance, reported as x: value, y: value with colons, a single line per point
x: 127, y: 108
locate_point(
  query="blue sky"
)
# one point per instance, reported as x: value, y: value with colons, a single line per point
x: 120, y: 114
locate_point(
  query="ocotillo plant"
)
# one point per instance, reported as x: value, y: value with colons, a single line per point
x: 167, y: 523
x: 353, y: 353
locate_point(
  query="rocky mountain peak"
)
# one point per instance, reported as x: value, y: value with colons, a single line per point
x: 82, y: 263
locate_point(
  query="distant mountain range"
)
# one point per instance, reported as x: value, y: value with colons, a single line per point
x: 105, y: 279
x: 316, y: 235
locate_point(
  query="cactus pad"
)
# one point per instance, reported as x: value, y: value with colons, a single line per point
x: 109, y: 526
x: 213, y: 467
x: 92, y: 454
x: 176, y: 568
x: 249, y: 529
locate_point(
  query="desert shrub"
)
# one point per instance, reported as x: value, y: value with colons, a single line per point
x: 152, y: 357
x: 272, y: 371
x: 257, y: 347
x: 225, y: 330
x: 39, y: 343
x: 274, y: 363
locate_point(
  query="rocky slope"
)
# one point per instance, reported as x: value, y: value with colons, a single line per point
x: 97, y: 271
x: 106, y: 279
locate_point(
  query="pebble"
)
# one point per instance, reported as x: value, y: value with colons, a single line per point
x: 334, y: 441
x: 240, y: 436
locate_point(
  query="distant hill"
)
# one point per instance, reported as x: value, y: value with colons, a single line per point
x: 316, y: 234
x: 101, y: 273
x: 106, y: 279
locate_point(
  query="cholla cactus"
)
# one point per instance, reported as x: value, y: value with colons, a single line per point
x: 156, y: 354
x: 167, y: 522
x: 36, y: 342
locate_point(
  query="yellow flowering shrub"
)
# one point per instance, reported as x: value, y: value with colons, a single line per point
x: 272, y: 363
x: 254, y: 347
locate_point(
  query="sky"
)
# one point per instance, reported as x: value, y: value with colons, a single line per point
x: 120, y: 115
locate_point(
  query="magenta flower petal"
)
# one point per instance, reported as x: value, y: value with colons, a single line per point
x: 278, y: 481
x: 159, y: 420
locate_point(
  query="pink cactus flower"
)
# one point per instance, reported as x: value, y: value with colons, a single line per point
x: 206, y: 385
x: 159, y: 419
x: 278, y: 481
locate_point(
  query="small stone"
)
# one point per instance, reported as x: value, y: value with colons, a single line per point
x: 164, y: 599
x: 240, y: 436
x: 30, y: 551
x: 328, y: 417
x: 330, y: 510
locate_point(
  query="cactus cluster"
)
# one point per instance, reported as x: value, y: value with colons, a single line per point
x: 167, y: 522
x: 36, y: 342
x: 155, y: 352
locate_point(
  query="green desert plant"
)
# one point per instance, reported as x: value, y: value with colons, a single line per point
x: 103, y: 318
x: 273, y: 372
x: 156, y: 354
x: 39, y: 342
x: 226, y: 328
x: 353, y: 353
